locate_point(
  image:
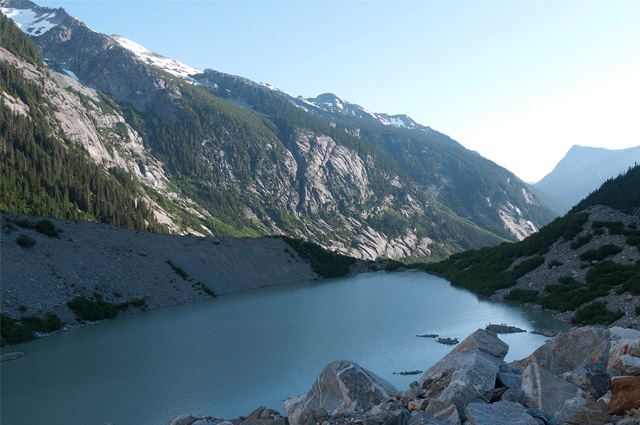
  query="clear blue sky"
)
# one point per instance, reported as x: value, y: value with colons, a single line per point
x: 518, y: 81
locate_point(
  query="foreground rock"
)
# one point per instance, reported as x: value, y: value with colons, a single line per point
x: 343, y: 388
x: 468, y: 373
x: 588, y: 376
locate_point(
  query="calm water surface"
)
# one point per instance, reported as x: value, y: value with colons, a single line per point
x: 229, y: 355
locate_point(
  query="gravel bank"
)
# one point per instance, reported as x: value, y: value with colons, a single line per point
x: 122, y: 264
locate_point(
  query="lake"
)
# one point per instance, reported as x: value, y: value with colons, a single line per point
x: 229, y: 355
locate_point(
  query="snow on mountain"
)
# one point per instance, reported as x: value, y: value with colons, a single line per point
x: 171, y: 66
x: 29, y: 21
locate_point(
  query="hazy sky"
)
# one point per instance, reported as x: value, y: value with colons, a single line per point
x: 518, y: 81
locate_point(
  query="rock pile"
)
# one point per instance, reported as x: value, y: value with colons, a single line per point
x: 588, y: 376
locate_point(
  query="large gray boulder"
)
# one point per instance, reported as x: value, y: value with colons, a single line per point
x: 500, y: 413
x: 423, y: 418
x: 468, y: 373
x: 343, y: 387
x: 187, y: 419
x: 579, y: 411
x: 568, y: 351
x: 545, y: 391
x: 624, y: 354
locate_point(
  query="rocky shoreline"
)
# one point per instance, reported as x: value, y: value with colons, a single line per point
x: 590, y: 375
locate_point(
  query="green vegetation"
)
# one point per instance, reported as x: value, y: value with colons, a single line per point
x: 25, y: 241
x: 485, y: 270
x: 208, y: 290
x: 581, y: 241
x: 594, y: 313
x: 393, y: 265
x: 92, y: 310
x: 46, y: 227
x: 15, y: 41
x: 621, y: 193
x: 522, y: 295
x: 554, y: 263
x: 179, y: 270
x: 23, y: 330
x: 325, y: 263
x: 601, y: 253
x: 95, y: 308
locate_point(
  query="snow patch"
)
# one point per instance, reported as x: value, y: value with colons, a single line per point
x: 397, y: 122
x: 171, y: 66
x: 71, y: 74
x: 30, y: 22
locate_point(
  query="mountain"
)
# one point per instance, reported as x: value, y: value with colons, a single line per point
x: 621, y: 193
x: 585, y: 266
x: 584, y: 169
x: 211, y: 153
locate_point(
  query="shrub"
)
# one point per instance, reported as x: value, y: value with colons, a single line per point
x: 25, y: 241
x: 179, y: 270
x: 325, y: 263
x: 24, y: 223
x: 393, y: 265
x: 522, y: 295
x: 527, y: 266
x: 633, y: 239
x: 554, y: 263
x: 50, y: 324
x: 89, y: 310
x: 46, y: 227
x: 581, y: 241
x: 596, y: 313
x: 12, y: 332
x: 637, y: 310
x: 600, y: 253
x: 598, y: 232
x: 15, y: 333
x: 209, y: 291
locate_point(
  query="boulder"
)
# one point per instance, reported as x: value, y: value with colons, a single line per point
x: 468, y: 373
x: 579, y: 411
x: 398, y: 417
x: 592, y: 378
x: 186, y: 419
x: 342, y: 387
x: 625, y: 394
x: 500, y: 413
x: 568, y: 351
x: 545, y: 391
x: 422, y: 418
x: 624, y: 354
x: 446, y: 412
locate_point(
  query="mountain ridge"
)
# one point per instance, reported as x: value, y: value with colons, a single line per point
x: 583, y: 169
x: 234, y: 157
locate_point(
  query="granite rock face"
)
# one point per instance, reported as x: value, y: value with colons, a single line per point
x: 343, y: 387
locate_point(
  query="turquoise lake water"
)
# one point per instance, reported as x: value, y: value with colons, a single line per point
x: 229, y: 355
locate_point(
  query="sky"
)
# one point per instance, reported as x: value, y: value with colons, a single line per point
x: 518, y: 81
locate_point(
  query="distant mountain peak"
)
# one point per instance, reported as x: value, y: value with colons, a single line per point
x: 583, y: 169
